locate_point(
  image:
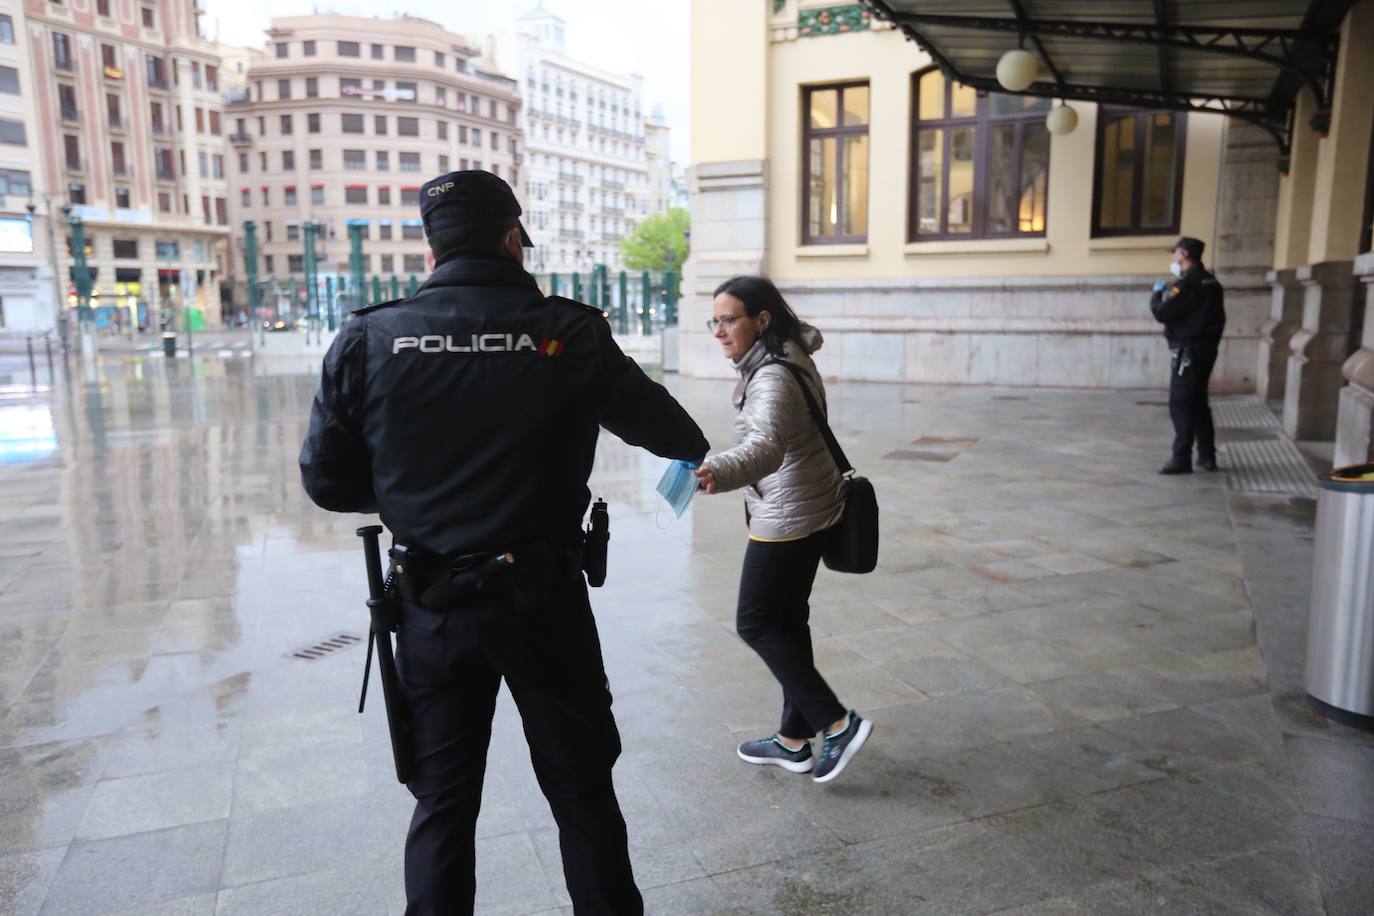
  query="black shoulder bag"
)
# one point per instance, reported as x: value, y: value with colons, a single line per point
x: 853, y: 544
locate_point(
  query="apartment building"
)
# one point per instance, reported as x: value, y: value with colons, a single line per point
x: 27, y: 295
x: 129, y: 133
x: 345, y: 118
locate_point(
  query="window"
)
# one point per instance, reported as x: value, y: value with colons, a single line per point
x: 414, y: 264
x: 6, y: 29
x: 355, y: 159
x: 76, y: 193
x: 440, y: 96
x: 117, y: 161
x: 267, y: 263
x: 61, y: 51
x: 283, y: 89
x: 491, y: 109
x: 295, y: 263
x: 384, y: 195
x: 308, y: 48
x: 439, y: 59
x: 200, y: 120
x: 412, y: 232
x: 195, y: 74
x: 348, y: 49
x: 126, y: 249
x: 149, y: 19
x: 462, y: 133
x: 285, y: 123
x: 288, y: 160
x: 162, y: 163
x: 980, y: 166
x: 16, y: 182
x: 379, y: 125
x: 476, y: 137
x: 157, y: 72
x: 355, y: 194
x: 405, y: 54
x: 383, y: 161
x: 835, y: 164
x: 317, y: 194
x: 216, y: 166
x: 312, y: 122
x: 102, y: 8
x: 495, y: 141
x: 442, y: 128
x: 1139, y: 180
x: 71, y: 147
x: 211, y: 78
x: 317, y: 159
x: 378, y: 52
x: 9, y: 80
x: 122, y: 198
x: 410, y: 196
x: 348, y: 85
x: 282, y: 50
x: 66, y: 102
x: 443, y: 165
x: 410, y: 162
x: 246, y: 197
x: 351, y: 123
x: 408, y: 127
x: 293, y: 231
x: 221, y: 211
x: 204, y: 165
x: 290, y: 193
x: 388, y: 261
x: 266, y: 197
x: 312, y: 87
x: 164, y: 202
x: 216, y: 126
x: 159, y: 124
x: 243, y: 162
x: 409, y: 92
x: 384, y: 234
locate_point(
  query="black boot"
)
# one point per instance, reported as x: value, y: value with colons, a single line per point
x: 1175, y: 466
x: 1208, y: 463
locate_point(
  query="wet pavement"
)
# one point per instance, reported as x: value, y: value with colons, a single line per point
x: 1085, y: 679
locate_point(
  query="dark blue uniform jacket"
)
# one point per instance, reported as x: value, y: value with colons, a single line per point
x: 468, y: 414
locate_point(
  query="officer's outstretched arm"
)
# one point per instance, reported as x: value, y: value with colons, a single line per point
x: 336, y: 467
x: 641, y: 411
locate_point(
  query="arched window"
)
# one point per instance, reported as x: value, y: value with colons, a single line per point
x: 979, y: 165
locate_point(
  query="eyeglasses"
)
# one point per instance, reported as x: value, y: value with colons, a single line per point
x: 724, y: 321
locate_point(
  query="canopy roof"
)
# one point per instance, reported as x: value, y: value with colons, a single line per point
x: 1244, y: 58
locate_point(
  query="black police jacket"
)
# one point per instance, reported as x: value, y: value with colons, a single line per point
x: 1191, y: 309
x: 468, y: 414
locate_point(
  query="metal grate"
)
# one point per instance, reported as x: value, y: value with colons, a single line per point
x: 1243, y: 413
x: 1269, y: 466
x: 326, y: 647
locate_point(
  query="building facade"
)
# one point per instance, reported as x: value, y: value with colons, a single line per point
x: 28, y: 298
x: 587, y: 181
x: 658, y: 150
x: 130, y: 133
x: 345, y: 118
x: 938, y: 236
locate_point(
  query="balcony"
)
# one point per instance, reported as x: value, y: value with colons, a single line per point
x: 71, y: 115
x: 570, y: 178
x: 611, y: 184
x: 570, y: 206
x: 611, y: 236
x: 166, y: 174
x: 75, y: 165
x: 156, y: 82
x: 613, y: 211
x: 241, y: 138
x: 570, y: 233
x: 117, y: 124
x: 121, y: 169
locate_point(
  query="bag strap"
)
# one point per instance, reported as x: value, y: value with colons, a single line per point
x: 831, y: 442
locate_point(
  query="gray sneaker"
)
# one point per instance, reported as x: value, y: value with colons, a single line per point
x: 772, y: 751
x: 839, y: 749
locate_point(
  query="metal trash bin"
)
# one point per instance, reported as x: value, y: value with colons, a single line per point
x: 1340, y: 630
x: 169, y: 344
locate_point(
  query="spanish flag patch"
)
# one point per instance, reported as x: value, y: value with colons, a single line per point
x: 551, y: 349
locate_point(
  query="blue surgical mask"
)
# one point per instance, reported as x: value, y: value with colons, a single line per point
x: 678, y: 486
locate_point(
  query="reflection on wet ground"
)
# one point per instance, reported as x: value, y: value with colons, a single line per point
x: 1059, y: 650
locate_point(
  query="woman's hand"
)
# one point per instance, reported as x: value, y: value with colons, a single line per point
x: 705, y: 480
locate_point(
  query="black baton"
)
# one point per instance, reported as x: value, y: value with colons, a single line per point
x: 379, y: 606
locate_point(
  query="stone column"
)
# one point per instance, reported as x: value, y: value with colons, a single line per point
x: 1318, y: 349
x: 1355, y: 416
x: 1276, y: 334
x: 729, y: 235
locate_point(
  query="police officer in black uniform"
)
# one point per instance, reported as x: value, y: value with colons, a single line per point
x: 1194, y: 317
x: 467, y: 416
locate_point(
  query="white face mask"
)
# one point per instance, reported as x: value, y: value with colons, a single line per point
x: 1176, y: 268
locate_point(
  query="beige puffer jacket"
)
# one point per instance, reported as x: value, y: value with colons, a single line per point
x: 792, y: 487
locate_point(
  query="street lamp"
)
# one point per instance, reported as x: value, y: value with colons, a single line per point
x: 59, y: 305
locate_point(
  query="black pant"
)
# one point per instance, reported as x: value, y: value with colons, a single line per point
x: 451, y: 664
x: 1190, y: 371
x: 772, y: 618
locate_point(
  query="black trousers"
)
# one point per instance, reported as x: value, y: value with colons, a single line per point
x: 1188, y: 407
x: 773, y: 618
x: 451, y: 665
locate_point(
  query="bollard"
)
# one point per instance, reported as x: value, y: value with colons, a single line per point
x: 33, y: 367
x: 169, y: 344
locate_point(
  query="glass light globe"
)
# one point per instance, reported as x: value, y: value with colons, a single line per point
x: 1061, y: 120
x: 1017, y: 69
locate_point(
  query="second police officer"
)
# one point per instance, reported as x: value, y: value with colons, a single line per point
x: 1193, y: 314
x: 467, y: 416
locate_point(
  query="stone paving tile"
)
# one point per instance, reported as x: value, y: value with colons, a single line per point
x: 25, y: 878
x: 136, y: 804
x: 1334, y: 780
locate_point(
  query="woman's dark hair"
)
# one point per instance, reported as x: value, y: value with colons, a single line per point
x: 760, y: 295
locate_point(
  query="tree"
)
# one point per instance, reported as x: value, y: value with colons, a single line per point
x: 659, y: 242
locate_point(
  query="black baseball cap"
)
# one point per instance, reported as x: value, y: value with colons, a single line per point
x: 468, y: 198
x: 1191, y: 247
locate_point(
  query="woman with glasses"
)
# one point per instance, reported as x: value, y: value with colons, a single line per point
x: 793, y: 495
